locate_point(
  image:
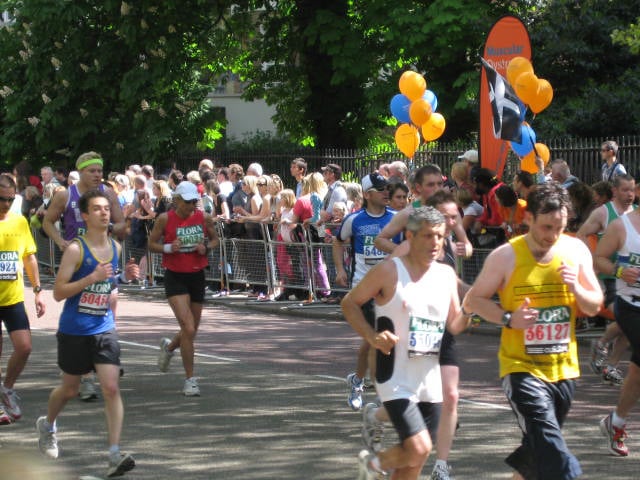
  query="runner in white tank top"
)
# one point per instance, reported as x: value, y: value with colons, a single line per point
x: 415, y: 298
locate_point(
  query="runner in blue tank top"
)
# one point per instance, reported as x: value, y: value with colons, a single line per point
x: 87, y: 338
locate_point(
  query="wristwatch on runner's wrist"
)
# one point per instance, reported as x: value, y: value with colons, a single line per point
x: 506, y: 319
x: 37, y: 289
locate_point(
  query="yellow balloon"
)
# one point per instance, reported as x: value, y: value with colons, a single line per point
x: 543, y: 98
x: 407, y: 139
x: 528, y: 162
x: 420, y: 111
x: 412, y: 85
x: 434, y: 127
x: 526, y: 87
x: 516, y: 66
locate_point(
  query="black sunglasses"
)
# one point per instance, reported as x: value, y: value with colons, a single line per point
x: 7, y: 199
x: 262, y: 184
x: 192, y: 202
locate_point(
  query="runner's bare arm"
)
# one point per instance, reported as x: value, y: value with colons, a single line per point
x: 463, y: 245
x: 593, y: 224
x: 379, y: 282
x: 457, y: 322
x: 582, y: 281
x: 52, y: 214
x: 117, y: 215
x: 492, y: 276
x: 610, y: 243
x: 394, y: 227
x: 337, y: 248
x: 63, y: 286
x: 31, y: 267
x: 155, y: 237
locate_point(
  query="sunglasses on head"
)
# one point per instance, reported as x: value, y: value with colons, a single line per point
x: 7, y: 199
x: 377, y: 189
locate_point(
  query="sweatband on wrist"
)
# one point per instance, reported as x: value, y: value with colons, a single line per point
x: 166, y: 248
x: 618, y: 272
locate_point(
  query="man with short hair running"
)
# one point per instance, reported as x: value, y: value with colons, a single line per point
x: 542, y: 279
x: 415, y: 300
x: 17, y: 253
x: 360, y: 229
x: 623, y: 237
x: 596, y: 224
x: 87, y: 338
x: 65, y: 206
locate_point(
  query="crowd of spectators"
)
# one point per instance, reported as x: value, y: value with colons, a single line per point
x: 244, y: 201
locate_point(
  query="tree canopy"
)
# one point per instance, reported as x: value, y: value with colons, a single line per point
x: 131, y: 80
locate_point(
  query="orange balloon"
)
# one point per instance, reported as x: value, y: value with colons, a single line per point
x: 434, y: 127
x: 528, y: 162
x: 526, y: 87
x: 412, y: 85
x: 420, y: 111
x: 516, y: 66
x: 543, y: 98
x: 407, y: 139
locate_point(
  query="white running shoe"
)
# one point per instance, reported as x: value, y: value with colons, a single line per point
x: 10, y: 401
x: 355, y: 387
x: 87, y: 390
x: 47, y: 441
x: 5, y: 419
x: 366, y: 469
x: 372, y: 429
x: 165, y: 356
x: 440, y: 472
x: 120, y: 464
x: 191, y: 388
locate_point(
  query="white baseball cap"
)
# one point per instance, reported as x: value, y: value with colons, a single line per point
x: 187, y: 191
x: 470, y: 156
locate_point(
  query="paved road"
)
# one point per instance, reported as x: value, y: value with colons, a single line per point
x: 273, y: 404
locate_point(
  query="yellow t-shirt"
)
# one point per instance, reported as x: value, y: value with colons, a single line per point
x: 16, y: 243
x: 547, y: 350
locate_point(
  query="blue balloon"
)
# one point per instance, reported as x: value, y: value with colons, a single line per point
x: 523, y: 110
x: 528, y: 141
x: 400, y: 108
x: 430, y: 97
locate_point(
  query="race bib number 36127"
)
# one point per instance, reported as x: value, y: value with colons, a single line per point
x: 551, y: 333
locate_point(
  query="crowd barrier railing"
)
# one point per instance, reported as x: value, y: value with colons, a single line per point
x: 266, y: 262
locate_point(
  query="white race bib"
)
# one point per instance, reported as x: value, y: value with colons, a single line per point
x: 425, y: 336
x: 9, y: 262
x: 551, y: 333
x: 94, y: 299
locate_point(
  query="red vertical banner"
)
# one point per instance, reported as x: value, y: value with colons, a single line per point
x: 508, y: 38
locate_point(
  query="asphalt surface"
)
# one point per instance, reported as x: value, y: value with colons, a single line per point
x: 273, y: 402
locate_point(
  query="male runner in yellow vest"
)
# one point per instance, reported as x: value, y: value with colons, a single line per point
x: 542, y: 278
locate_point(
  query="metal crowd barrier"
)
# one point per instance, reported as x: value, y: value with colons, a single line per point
x: 264, y: 262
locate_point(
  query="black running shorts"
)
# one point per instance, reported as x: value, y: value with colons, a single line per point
x: 14, y: 317
x: 410, y: 418
x: 178, y: 283
x: 78, y: 354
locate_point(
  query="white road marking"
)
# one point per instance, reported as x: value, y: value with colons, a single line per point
x: 204, y: 355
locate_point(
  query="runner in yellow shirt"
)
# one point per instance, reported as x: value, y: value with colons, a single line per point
x: 17, y: 252
x: 542, y: 278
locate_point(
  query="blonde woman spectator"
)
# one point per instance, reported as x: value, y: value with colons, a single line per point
x: 307, y: 211
x: 194, y: 177
x: 275, y: 190
x: 253, y: 231
x: 123, y: 190
x: 354, y: 196
x: 265, y: 185
x: 460, y: 175
x: 163, y: 197
x: 284, y: 236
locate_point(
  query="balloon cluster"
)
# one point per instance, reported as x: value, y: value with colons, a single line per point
x: 536, y: 93
x: 415, y: 108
